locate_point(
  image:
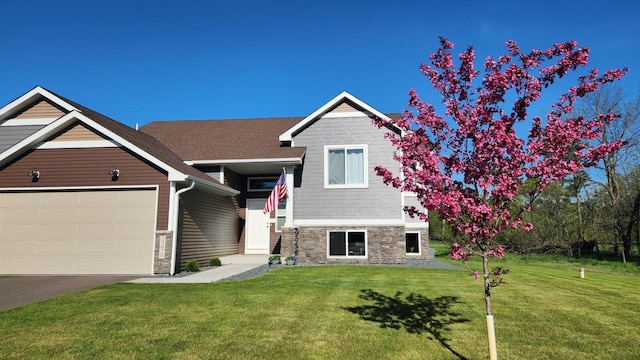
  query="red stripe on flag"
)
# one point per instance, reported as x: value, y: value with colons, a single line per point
x: 278, y: 193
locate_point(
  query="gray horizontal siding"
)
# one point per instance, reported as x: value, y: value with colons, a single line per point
x: 313, y: 201
x: 11, y: 135
x: 412, y: 200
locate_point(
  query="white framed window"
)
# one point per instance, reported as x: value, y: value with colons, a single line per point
x: 412, y: 242
x: 261, y: 183
x: 281, y: 215
x: 347, y: 243
x: 345, y: 166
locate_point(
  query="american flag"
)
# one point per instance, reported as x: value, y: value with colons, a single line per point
x: 278, y: 193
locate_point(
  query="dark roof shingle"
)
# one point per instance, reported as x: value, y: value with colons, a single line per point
x: 144, y: 141
x: 231, y: 139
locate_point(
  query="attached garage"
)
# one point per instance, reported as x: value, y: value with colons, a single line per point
x: 82, y: 231
x: 84, y: 194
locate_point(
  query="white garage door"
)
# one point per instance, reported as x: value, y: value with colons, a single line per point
x: 77, y: 232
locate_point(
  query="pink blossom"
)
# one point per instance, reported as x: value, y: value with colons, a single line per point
x: 467, y: 163
x: 497, y: 252
x: 475, y: 274
x: 456, y: 252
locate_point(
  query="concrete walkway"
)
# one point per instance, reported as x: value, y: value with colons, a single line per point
x: 231, y: 265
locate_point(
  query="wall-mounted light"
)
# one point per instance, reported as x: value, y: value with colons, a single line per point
x: 34, y: 174
x: 115, y: 174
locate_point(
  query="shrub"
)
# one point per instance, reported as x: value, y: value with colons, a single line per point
x: 192, y: 266
x: 215, y: 262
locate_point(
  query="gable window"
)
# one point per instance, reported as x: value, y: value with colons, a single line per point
x: 347, y: 244
x: 346, y: 166
x: 412, y: 243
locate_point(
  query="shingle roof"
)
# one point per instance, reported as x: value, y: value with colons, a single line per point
x: 144, y: 141
x: 232, y: 139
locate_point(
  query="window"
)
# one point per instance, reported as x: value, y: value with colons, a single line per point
x: 281, y: 215
x: 347, y: 243
x: 261, y: 183
x: 346, y: 166
x: 412, y: 242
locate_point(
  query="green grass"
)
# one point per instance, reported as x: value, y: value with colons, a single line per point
x: 544, y: 311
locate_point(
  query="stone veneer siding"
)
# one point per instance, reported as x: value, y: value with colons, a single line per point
x: 162, y: 252
x: 385, y: 245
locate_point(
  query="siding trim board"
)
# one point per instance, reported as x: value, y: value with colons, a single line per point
x: 349, y: 222
x: 27, y: 122
x: 77, y: 144
x: 342, y: 114
x: 78, y: 188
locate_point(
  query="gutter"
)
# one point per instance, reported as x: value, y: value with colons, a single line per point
x: 174, y: 236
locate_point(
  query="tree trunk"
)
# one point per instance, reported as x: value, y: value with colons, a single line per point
x: 491, y: 332
x: 633, y: 219
x: 580, y: 224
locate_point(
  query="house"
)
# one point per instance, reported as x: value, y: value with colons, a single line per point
x: 337, y: 209
x: 81, y: 193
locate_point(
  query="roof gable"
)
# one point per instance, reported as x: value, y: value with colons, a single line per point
x: 339, y: 105
x: 93, y: 125
x: 36, y: 97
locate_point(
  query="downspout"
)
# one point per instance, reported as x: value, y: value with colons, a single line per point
x: 175, y: 215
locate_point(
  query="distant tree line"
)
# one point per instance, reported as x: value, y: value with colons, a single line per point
x: 595, y: 214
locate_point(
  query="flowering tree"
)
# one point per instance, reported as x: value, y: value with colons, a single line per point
x: 468, y: 165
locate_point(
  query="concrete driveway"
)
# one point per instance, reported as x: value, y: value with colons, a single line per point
x: 21, y: 290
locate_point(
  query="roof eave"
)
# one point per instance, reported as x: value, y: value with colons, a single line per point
x: 288, y: 135
x: 215, y: 187
x: 31, y: 94
x: 286, y: 161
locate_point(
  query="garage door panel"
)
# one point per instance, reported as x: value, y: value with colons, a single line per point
x: 26, y: 199
x: 51, y: 247
x: 132, y: 198
x: 98, y: 264
x: 125, y: 246
x: 93, y: 230
x: 132, y: 230
x: 19, y: 214
x: 97, y: 198
x: 62, y: 198
x: 52, y: 265
x: 100, y: 214
x: 95, y: 247
x: 18, y: 231
x: 57, y: 214
x: 132, y: 215
x: 49, y: 230
x: 19, y: 247
x: 77, y: 232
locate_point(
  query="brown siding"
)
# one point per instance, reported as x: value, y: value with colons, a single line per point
x: 87, y: 167
x: 41, y: 109
x: 209, y: 226
x: 76, y: 133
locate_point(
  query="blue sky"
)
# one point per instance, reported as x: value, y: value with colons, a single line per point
x: 140, y: 61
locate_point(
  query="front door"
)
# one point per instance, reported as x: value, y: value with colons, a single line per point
x: 258, y: 228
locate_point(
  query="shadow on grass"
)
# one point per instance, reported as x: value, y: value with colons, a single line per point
x: 414, y: 313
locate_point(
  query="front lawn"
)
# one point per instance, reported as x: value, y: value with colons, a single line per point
x: 544, y: 311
